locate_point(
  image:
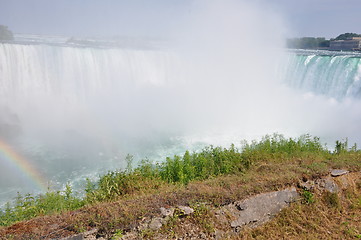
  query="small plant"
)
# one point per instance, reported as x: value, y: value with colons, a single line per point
x: 147, y: 233
x: 129, y: 159
x: 202, y: 216
x: 79, y: 228
x: 341, y: 147
x: 307, y: 197
x: 118, y: 234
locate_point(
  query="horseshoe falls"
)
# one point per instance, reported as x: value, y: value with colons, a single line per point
x: 68, y: 113
x: 331, y: 74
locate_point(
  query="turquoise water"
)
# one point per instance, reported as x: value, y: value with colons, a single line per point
x: 332, y: 74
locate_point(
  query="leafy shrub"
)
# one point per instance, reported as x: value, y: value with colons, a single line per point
x: 28, y: 206
x: 210, y: 162
x: 276, y: 146
x: 5, y: 33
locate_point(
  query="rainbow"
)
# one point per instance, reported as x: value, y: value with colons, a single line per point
x: 8, y: 154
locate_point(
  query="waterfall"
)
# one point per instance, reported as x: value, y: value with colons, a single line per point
x: 336, y: 75
x: 78, y: 72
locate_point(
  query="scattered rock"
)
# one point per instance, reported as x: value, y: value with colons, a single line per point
x: 202, y: 235
x: 74, y: 237
x: 219, y: 234
x: 323, y: 184
x: 167, y: 212
x: 338, y: 172
x: 327, y: 184
x: 260, y: 208
x: 186, y: 210
x: 153, y: 224
x: 156, y: 223
x: 309, y: 185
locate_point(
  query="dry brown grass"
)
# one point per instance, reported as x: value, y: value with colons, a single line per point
x: 331, y: 216
x: 324, y: 219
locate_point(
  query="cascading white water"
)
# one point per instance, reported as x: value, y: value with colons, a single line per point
x: 332, y: 74
x: 76, y: 73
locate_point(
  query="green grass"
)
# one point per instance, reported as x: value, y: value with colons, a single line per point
x: 28, y: 206
x: 196, y: 166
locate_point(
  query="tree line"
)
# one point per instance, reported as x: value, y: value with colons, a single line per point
x: 5, y: 33
x: 317, y: 42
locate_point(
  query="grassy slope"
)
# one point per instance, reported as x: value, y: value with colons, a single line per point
x: 205, y: 180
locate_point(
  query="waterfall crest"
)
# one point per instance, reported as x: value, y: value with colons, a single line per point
x: 334, y: 75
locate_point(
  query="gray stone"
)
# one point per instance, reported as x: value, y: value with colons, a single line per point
x: 309, y: 185
x: 260, y: 208
x: 186, y: 210
x: 240, y: 206
x: 338, y: 172
x: 90, y: 235
x: 156, y: 223
x: 167, y: 212
x: 202, y: 235
x: 74, y: 237
x: 327, y: 184
x: 219, y: 234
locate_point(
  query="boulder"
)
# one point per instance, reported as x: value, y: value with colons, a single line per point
x: 186, y: 210
x: 156, y: 223
x: 260, y: 208
x: 327, y: 184
x: 338, y: 172
x: 167, y: 212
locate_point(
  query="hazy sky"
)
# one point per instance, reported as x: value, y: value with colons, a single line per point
x: 326, y: 18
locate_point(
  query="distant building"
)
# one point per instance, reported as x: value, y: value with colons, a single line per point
x: 352, y: 44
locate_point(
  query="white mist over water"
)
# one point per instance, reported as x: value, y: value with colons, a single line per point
x: 79, y: 110
x: 230, y: 51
